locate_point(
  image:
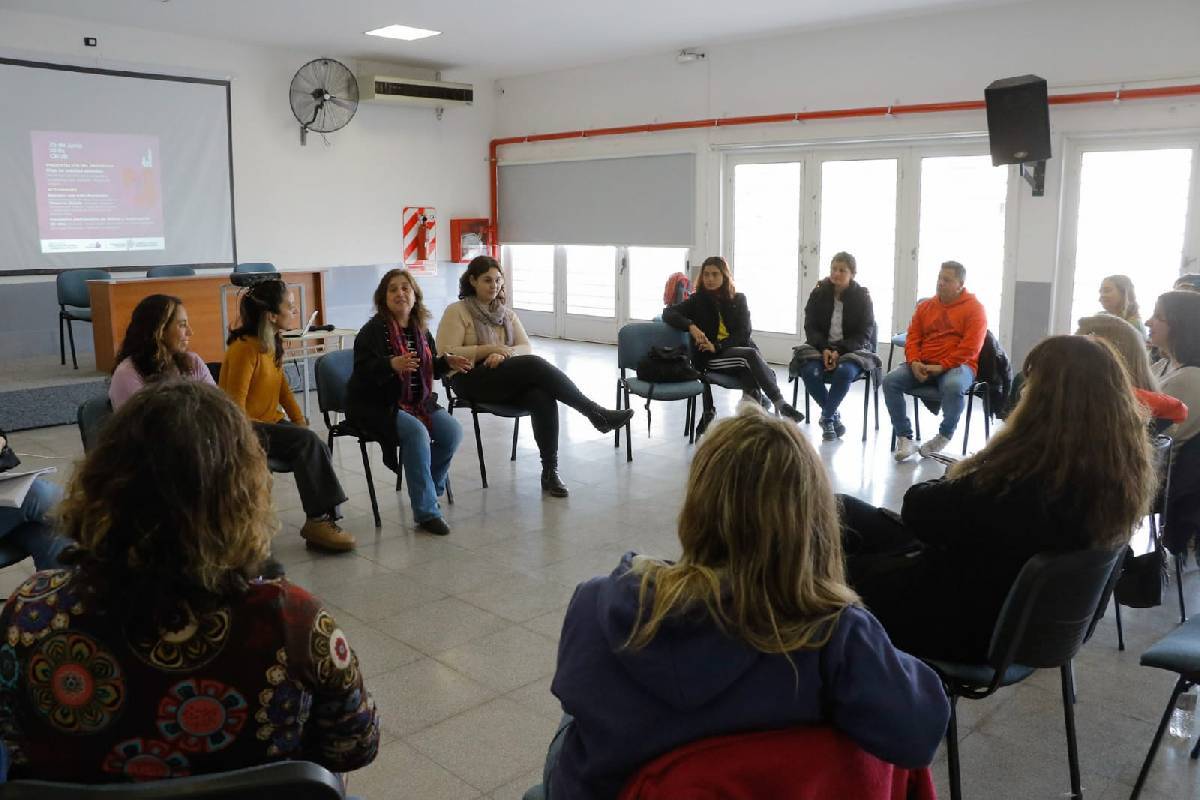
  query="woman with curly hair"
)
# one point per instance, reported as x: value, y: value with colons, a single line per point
x: 155, y: 347
x: 159, y: 653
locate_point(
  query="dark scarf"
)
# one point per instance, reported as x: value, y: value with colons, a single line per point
x: 415, y: 404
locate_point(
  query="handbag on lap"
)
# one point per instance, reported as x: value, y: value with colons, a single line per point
x: 666, y: 365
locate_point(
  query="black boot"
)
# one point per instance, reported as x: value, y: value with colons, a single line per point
x: 705, y: 420
x: 607, y: 421
x: 785, y: 410
x: 551, y: 483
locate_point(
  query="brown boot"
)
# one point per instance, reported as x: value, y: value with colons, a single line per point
x: 323, y: 533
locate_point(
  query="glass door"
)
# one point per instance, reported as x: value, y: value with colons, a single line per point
x: 590, y: 300
x: 647, y: 270
x: 531, y: 286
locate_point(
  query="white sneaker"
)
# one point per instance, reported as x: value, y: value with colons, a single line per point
x: 905, y: 448
x: 935, y: 445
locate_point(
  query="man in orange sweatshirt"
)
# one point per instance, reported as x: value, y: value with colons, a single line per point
x: 944, y: 340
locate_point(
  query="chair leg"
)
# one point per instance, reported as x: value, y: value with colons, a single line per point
x: 516, y: 430
x: 952, y: 766
x: 1179, y: 588
x: 628, y: 432
x: 796, y: 395
x: 987, y: 414
x: 649, y: 415
x: 479, y: 448
x: 71, y: 336
x: 1120, y: 627
x: 866, y: 403
x: 362, y: 446
x: 1068, y: 696
x: 1181, y: 686
x: 62, y: 342
x: 967, y: 429
x: 916, y: 419
x: 891, y: 352
x: 692, y: 420
x: 449, y: 491
x: 875, y: 391
x: 617, y: 432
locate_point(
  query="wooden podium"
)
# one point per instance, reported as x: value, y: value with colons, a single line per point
x: 113, y: 303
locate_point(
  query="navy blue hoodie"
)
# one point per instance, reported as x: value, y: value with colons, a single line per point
x: 692, y: 682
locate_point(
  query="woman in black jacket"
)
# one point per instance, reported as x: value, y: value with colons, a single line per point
x: 391, y: 394
x: 937, y: 577
x: 718, y: 319
x: 839, y: 331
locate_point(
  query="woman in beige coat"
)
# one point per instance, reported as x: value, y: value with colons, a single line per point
x: 481, y: 327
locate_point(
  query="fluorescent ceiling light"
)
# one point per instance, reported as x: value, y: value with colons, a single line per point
x: 403, y: 32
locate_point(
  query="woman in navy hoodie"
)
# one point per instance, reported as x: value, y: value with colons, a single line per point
x: 754, y: 628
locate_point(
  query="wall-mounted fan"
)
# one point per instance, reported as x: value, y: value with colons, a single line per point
x: 324, y: 96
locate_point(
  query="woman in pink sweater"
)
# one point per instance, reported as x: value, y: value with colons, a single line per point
x: 155, y: 347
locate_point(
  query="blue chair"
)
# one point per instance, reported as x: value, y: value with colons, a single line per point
x: 295, y: 780
x: 333, y: 371
x: 90, y: 418
x: 899, y: 340
x: 495, y: 409
x: 872, y: 379
x: 255, y: 266
x: 1178, y: 652
x: 930, y: 394
x: 1050, y: 612
x: 634, y: 341
x: 171, y: 271
x: 75, y: 304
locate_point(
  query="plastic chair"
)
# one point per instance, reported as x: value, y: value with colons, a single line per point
x: 74, y: 304
x: 634, y: 341
x: 1178, y: 652
x: 812, y: 763
x: 90, y: 418
x: 255, y: 266
x: 1051, y: 610
x: 170, y: 271
x: 495, y: 409
x: 931, y: 394
x: 870, y: 387
x: 295, y: 780
x: 899, y: 340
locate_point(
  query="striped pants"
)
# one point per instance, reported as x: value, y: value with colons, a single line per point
x: 748, y: 366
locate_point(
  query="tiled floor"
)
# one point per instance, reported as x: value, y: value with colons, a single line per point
x: 457, y: 636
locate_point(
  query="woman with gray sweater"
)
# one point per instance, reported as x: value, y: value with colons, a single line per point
x: 481, y: 327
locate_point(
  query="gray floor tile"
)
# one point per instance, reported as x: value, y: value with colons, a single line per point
x: 505, y: 660
x: 423, y: 693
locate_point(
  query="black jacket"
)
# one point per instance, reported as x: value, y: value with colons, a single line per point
x: 858, y: 318
x: 944, y: 602
x: 374, y: 388
x: 704, y: 309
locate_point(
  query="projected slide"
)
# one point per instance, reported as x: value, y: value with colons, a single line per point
x: 97, y: 192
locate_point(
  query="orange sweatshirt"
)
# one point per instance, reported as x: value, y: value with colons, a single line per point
x: 250, y: 377
x: 950, y: 335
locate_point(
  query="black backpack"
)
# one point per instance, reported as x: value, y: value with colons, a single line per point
x: 666, y: 365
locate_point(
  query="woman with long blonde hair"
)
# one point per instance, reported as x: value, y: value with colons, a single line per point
x: 1070, y: 470
x: 753, y: 628
x: 159, y: 653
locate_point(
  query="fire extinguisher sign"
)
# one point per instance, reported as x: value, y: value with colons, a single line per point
x: 420, y: 240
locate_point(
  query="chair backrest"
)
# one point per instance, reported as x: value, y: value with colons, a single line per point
x: 255, y: 266
x: 333, y: 372
x: 635, y: 339
x: 214, y: 369
x: 295, y: 780
x: 1051, y: 608
x: 91, y: 417
x: 797, y: 764
x: 170, y: 271
x: 72, y: 286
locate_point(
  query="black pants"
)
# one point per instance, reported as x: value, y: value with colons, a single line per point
x: 529, y: 382
x: 308, y: 457
x: 748, y: 366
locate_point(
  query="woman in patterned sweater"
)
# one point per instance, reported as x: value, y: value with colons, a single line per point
x: 158, y: 654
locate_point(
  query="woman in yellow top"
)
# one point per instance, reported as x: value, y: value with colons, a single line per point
x: 252, y: 374
x: 482, y: 328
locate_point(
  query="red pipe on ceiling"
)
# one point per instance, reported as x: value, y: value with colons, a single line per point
x: 1157, y: 92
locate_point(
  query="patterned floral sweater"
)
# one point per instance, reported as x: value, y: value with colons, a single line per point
x: 269, y: 678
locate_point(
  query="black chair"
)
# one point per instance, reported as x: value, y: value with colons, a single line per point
x: 295, y: 780
x: 1051, y: 610
x: 495, y: 409
x: 634, y: 341
x: 870, y: 387
x: 1158, y: 521
x: 74, y: 304
x: 980, y: 389
x: 899, y: 340
x: 1178, y: 652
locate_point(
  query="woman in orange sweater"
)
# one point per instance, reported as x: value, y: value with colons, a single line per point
x: 252, y: 374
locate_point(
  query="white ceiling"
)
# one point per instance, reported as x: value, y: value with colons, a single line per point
x: 491, y: 38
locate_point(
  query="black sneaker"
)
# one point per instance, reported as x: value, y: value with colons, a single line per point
x: 608, y: 420
x: 705, y: 420
x: 838, y: 427
x: 552, y: 484
x: 435, y: 525
x: 786, y: 410
x: 828, y: 431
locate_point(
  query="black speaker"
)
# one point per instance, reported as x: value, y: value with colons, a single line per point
x: 1018, y: 117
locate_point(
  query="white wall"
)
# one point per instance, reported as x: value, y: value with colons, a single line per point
x: 1075, y: 44
x: 299, y: 207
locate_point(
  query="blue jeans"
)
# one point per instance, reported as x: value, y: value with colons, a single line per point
x: 426, y: 458
x: 42, y: 545
x: 813, y: 374
x: 951, y: 384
